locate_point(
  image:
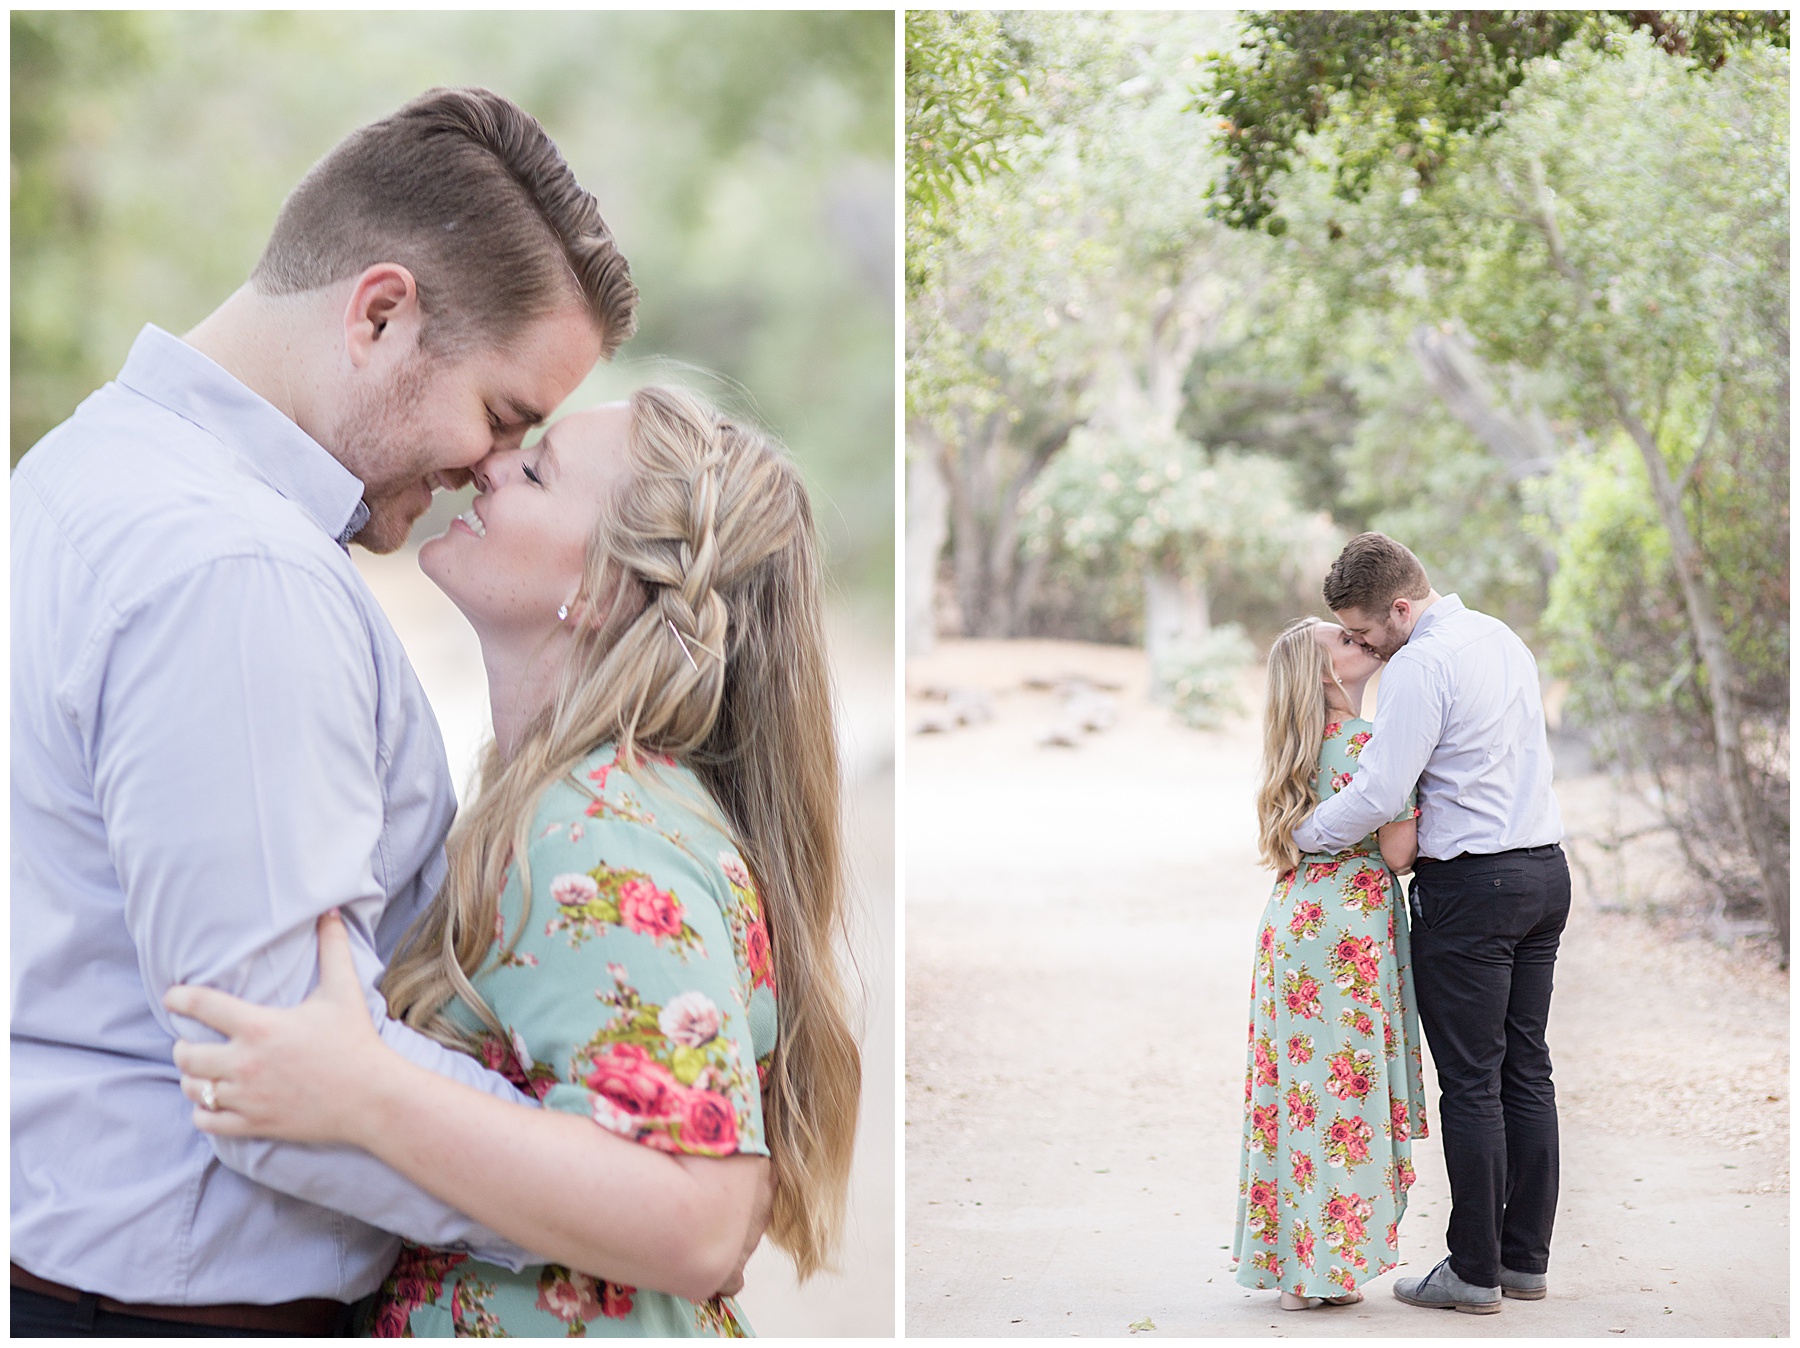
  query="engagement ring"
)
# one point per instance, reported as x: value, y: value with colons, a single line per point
x: 209, y: 1098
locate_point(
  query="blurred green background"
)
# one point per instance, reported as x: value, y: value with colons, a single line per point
x: 745, y: 161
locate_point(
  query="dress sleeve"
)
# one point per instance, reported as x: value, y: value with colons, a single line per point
x: 636, y: 1015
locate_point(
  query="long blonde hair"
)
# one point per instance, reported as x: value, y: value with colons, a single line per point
x: 1294, y: 717
x: 709, y: 647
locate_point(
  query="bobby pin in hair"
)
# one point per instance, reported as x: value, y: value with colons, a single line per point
x: 684, y: 646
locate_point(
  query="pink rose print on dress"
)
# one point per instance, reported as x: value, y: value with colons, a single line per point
x: 648, y: 910
x: 691, y: 1019
x: 417, y: 1280
x: 1303, y: 1244
x: 1398, y: 1128
x: 1304, y: 1171
x: 1347, y: 1142
x: 1339, y: 780
x: 708, y: 1124
x: 759, y: 955
x: 1358, y: 1021
x: 1303, y: 1107
x: 1269, y: 1262
x: 1321, y: 870
x: 1265, y: 1127
x: 1346, y: 1226
x: 1301, y: 992
x: 1352, y: 1073
x: 1356, y: 967
x: 571, y: 891
x: 608, y: 896
x: 1354, y: 746
x: 1260, y: 1211
x: 735, y: 870
x: 598, y: 775
x: 1343, y: 1278
x: 1267, y: 1073
x: 1299, y: 1049
x: 634, y: 1082
x: 1332, y: 728
x: 1367, y: 890
x: 565, y: 1298
x: 1307, y: 921
x: 1404, y: 1175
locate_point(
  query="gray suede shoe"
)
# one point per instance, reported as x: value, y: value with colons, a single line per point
x: 1524, y: 1286
x: 1442, y: 1290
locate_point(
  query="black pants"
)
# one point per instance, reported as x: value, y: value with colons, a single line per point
x: 1484, y: 937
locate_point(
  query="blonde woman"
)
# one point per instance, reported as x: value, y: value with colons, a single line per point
x: 1332, y: 1094
x: 638, y: 924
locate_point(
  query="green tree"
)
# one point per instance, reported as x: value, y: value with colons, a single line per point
x: 1408, y: 85
x: 1617, y: 230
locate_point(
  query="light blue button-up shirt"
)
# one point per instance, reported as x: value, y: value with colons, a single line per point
x: 1460, y: 714
x: 216, y: 736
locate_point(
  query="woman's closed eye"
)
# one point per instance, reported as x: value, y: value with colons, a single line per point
x: 531, y: 474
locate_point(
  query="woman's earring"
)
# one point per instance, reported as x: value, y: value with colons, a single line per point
x: 562, y: 613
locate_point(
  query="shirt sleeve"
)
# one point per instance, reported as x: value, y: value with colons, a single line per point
x: 1408, y: 725
x: 235, y: 764
x: 640, y: 1002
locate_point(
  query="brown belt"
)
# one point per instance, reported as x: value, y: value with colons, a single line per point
x: 315, y: 1316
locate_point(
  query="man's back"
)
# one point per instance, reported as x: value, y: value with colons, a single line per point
x: 182, y: 618
x: 1486, y: 785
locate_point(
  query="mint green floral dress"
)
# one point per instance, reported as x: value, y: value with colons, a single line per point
x: 1332, y: 1093
x: 638, y: 992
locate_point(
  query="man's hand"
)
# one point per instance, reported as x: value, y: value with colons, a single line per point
x: 759, y: 1222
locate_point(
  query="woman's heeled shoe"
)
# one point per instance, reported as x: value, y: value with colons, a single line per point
x: 1291, y: 1302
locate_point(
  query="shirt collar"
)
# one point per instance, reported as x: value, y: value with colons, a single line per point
x: 1445, y: 606
x: 166, y: 370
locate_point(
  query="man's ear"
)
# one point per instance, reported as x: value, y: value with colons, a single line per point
x: 382, y: 315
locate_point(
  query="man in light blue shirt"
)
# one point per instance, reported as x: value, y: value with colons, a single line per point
x: 1461, y: 717
x: 216, y: 735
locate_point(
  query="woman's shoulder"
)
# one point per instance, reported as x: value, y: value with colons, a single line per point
x: 650, y: 819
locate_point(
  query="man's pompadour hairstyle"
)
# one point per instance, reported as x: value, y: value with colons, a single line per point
x: 466, y: 191
x: 1371, y: 573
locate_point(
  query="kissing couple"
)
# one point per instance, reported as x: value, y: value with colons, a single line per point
x: 297, y: 1049
x: 1451, y: 780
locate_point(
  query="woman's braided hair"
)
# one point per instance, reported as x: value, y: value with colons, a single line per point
x: 706, y: 645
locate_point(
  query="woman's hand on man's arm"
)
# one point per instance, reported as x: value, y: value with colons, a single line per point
x: 1399, y: 843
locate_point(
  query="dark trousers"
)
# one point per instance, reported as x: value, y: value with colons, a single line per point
x: 1484, y: 936
x: 36, y: 1316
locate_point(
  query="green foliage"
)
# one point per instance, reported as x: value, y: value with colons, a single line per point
x: 744, y: 159
x: 1408, y: 86
x: 1138, y: 499
x: 966, y: 82
x: 1199, y: 678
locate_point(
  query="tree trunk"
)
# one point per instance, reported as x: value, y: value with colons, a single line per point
x: 1721, y: 670
x: 927, y: 528
x: 1704, y: 623
x: 1175, y: 615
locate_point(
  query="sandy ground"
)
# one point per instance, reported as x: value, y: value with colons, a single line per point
x: 1079, y: 931
x: 859, y: 1299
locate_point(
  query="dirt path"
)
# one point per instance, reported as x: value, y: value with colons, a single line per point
x: 1079, y: 928
x: 858, y: 1299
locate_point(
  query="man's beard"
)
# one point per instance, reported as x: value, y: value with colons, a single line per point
x: 373, y: 442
